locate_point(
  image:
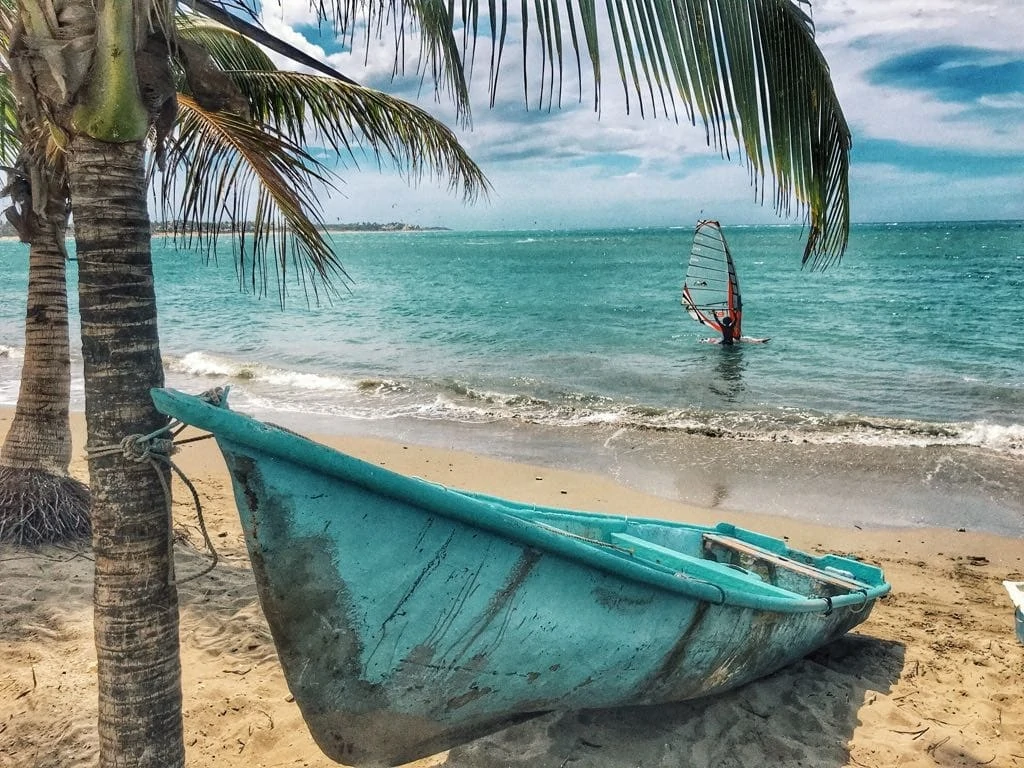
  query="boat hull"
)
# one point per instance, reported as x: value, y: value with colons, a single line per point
x: 410, y: 618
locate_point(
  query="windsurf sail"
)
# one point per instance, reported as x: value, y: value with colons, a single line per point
x: 711, y: 290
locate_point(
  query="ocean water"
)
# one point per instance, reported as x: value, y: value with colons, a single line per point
x: 891, y: 392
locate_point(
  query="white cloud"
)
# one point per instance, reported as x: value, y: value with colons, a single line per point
x: 284, y: 29
x: 288, y: 13
x: 1013, y: 101
x: 537, y: 161
x: 840, y: 22
x: 856, y: 36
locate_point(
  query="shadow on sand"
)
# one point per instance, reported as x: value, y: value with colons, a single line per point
x: 804, y: 714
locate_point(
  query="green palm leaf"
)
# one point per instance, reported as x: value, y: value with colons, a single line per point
x: 10, y: 140
x: 229, y: 47
x: 217, y: 11
x: 748, y: 70
x: 340, y: 114
x: 439, y: 51
x: 222, y: 167
x: 753, y: 75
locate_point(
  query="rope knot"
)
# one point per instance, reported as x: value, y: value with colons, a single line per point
x: 141, y: 448
x: 157, y: 450
x: 215, y: 396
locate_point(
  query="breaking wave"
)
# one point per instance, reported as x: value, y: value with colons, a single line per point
x: 268, y: 389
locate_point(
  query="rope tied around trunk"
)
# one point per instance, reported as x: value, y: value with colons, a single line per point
x: 155, y: 450
x: 139, y: 448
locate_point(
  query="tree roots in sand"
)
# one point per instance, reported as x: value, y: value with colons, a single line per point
x: 39, y: 508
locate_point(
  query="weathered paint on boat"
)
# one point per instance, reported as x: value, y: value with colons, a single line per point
x: 410, y: 617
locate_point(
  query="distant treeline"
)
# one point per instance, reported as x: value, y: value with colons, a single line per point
x: 362, y: 226
x: 166, y: 227
x: 371, y: 226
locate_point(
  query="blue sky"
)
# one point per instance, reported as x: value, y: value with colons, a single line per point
x: 933, y: 91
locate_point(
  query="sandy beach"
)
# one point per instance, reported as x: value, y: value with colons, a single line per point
x: 931, y: 679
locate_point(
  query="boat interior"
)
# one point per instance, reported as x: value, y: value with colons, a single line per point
x: 725, y: 555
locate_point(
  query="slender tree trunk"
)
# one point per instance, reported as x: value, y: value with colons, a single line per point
x: 136, y: 601
x: 40, y: 435
x: 39, y: 501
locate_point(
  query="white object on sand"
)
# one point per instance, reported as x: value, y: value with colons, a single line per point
x: 1016, y: 590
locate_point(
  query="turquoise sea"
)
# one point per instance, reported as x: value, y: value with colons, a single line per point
x: 891, y: 392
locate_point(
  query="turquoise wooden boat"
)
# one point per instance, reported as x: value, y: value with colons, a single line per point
x: 410, y: 617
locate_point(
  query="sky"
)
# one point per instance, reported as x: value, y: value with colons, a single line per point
x: 933, y: 92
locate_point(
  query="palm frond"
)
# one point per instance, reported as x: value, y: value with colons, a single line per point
x: 339, y: 113
x: 346, y: 118
x: 748, y: 70
x: 440, y: 52
x: 231, y: 48
x: 751, y: 73
x: 217, y: 11
x: 10, y: 139
x: 221, y: 167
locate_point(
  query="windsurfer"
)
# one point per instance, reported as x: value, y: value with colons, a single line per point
x: 711, y: 290
x: 727, y: 330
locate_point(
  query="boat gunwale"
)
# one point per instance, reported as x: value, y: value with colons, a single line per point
x: 477, y: 511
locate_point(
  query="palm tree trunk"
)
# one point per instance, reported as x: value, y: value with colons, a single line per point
x: 40, y: 436
x: 136, y: 601
x: 39, y: 501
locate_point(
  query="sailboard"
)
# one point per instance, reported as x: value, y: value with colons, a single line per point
x: 711, y: 290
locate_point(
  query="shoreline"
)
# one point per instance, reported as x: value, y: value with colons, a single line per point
x: 839, y: 485
x: 456, y: 459
x: 930, y: 677
x: 844, y: 485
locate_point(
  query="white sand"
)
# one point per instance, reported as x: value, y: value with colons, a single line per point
x: 933, y: 678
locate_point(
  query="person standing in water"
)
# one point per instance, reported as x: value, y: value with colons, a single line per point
x: 727, y: 330
x: 727, y: 325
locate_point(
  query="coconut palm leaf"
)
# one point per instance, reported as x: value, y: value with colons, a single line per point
x: 748, y: 70
x: 439, y: 50
x: 340, y: 114
x: 10, y: 141
x: 224, y: 168
x: 228, y: 169
x: 751, y: 73
x: 233, y: 49
x: 254, y: 32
